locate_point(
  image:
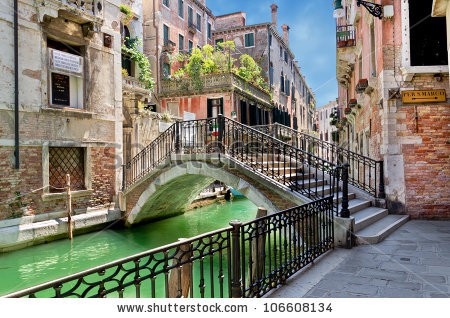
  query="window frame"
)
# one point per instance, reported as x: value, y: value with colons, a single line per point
x: 181, y: 39
x: 76, y: 80
x: 198, y: 24
x: 181, y: 9
x: 166, y: 40
x: 245, y: 39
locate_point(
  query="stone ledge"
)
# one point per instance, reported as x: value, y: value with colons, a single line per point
x: 24, y: 235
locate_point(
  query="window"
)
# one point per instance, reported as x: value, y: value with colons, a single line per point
x: 270, y: 39
x: 287, y: 87
x: 166, y: 70
x: 249, y: 39
x: 66, y: 75
x: 181, y: 9
x: 63, y: 161
x: 286, y: 57
x: 209, y: 31
x: 217, y: 43
x: 166, y: 3
x: 282, y: 82
x: 199, y: 22
x: 281, y: 51
x: 428, y: 38
x: 180, y: 43
x: 190, y: 17
x: 166, y: 34
x: 190, y: 46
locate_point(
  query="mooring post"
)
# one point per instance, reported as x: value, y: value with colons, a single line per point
x: 69, y: 207
x: 236, y: 289
x: 258, y: 251
x: 180, y: 276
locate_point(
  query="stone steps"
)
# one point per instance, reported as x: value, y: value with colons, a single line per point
x: 372, y: 224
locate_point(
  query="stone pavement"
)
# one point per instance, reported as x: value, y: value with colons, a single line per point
x: 412, y: 262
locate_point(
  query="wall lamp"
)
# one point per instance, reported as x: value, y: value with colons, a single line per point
x: 374, y: 9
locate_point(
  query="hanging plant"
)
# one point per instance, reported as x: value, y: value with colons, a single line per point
x: 127, y: 14
x: 347, y: 110
x: 352, y: 102
x: 145, y: 74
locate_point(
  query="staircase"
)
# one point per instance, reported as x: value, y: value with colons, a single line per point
x: 372, y: 224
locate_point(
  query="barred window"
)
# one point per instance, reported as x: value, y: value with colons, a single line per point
x: 66, y: 160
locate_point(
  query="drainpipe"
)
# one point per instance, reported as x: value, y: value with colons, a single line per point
x: 16, y: 87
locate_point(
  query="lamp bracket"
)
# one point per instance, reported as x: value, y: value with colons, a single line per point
x: 374, y: 9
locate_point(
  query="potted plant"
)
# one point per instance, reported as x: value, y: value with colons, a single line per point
x: 352, y: 102
x: 362, y: 85
x: 347, y: 110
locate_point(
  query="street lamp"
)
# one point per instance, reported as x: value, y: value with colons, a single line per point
x: 373, y: 8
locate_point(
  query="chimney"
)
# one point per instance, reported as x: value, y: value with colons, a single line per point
x: 274, y: 8
x: 285, y: 28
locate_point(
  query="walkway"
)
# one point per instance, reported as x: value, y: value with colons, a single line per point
x: 412, y: 262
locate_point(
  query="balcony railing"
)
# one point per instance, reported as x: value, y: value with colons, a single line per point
x: 134, y: 85
x: 222, y: 81
x: 345, y: 36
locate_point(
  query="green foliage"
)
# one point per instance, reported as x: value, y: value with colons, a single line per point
x: 128, y: 13
x: 210, y: 61
x: 145, y: 74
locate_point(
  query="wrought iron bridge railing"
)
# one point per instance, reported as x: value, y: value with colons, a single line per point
x: 290, y: 167
x: 243, y: 260
x: 364, y: 173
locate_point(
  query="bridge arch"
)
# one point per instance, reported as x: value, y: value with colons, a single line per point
x: 174, y: 187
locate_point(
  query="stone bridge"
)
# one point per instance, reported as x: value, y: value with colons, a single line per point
x: 169, y: 189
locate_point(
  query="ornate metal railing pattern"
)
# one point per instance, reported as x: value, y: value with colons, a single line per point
x: 149, y: 158
x: 291, y: 167
x: 364, y: 173
x: 244, y: 260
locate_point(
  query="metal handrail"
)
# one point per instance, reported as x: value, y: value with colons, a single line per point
x: 365, y: 173
x: 291, y: 167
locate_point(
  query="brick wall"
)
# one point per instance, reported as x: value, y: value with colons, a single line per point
x: 427, y: 163
x: 29, y: 178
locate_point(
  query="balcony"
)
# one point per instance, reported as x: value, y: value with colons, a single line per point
x: 83, y: 12
x: 169, y: 46
x: 215, y: 83
x: 345, y: 36
x: 192, y: 28
x: 132, y: 85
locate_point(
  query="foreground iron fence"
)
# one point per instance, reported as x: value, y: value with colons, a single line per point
x: 244, y: 260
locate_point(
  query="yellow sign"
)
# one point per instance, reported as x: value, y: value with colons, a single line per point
x: 426, y: 96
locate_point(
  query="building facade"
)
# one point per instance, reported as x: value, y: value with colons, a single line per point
x: 393, y: 100
x: 63, y: 113
x: 324, y: 117
x: 172, y: 26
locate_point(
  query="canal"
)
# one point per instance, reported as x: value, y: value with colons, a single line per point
x: 38, y: 264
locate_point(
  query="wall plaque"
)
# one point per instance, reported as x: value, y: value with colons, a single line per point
x: 60, y: 89
x: 424, y: 96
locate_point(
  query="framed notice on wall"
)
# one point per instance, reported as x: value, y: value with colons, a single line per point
x: 60, y: 89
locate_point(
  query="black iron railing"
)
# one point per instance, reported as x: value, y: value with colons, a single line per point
x: 244, y: 260
x: 288, y: 166
x: 364, y: 173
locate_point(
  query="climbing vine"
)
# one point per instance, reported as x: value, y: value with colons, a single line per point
x: 145, y: 74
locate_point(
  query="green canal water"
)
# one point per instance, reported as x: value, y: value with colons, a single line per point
x: 38, y: 264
